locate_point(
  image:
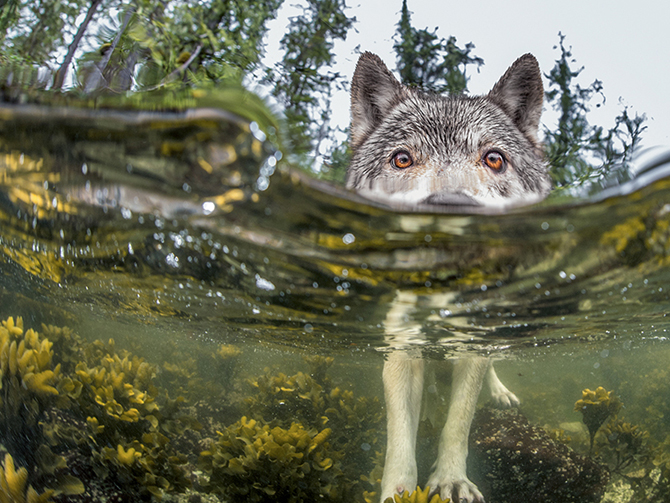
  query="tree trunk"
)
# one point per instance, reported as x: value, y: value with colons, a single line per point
x: 59, y: 78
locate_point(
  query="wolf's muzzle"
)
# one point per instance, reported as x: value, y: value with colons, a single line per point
x: 450, y: 199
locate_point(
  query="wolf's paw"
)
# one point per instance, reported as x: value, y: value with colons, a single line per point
x: 504, y: 398
x: 398, y: 478
x: 459, y: 490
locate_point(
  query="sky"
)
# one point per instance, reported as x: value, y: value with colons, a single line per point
x: 624, y: 44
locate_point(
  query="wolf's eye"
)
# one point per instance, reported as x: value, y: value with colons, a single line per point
x: 495, y: 160
x: 402, y: 159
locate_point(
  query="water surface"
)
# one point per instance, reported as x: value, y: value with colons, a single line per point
x: 187, y: 239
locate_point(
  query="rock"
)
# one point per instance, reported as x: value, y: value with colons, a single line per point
x: 513, y: 461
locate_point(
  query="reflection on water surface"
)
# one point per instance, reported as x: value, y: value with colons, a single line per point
x: 198, y: 319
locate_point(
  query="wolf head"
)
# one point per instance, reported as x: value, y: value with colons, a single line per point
x: 416, y: 148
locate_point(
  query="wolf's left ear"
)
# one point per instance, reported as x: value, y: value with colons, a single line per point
x: 374, y: 92
x: 520, y: 93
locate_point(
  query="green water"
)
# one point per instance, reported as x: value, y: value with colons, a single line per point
x: 187, y: 239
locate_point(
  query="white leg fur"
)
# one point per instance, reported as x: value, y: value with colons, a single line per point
x: 403, y: 387
x: 501, y: 396
x: 449, y: 477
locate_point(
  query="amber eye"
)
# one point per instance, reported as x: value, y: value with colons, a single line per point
x: 402, y: 159
x: 495, y: 160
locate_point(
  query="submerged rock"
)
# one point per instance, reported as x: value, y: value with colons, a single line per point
x: 513, y: 461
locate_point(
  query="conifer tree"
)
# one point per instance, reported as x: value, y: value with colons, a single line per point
x: 432, y: 63
x: 580, y: 154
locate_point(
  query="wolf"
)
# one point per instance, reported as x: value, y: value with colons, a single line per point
x: 416, y: 149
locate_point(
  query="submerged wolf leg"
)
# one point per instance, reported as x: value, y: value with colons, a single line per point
x: 501, y: 396
x: 449, y: 477
x: 403, y: 385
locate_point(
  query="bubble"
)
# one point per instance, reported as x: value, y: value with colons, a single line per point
x: 348, y: 238
x: 208, y: 207
x: 172, y: 260
x: 264, y: 284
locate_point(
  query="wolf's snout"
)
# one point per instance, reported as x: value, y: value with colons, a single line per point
x: 450, y: 199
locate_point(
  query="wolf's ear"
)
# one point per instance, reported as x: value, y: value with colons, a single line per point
x: 520, y: 93
x: 374, y: 92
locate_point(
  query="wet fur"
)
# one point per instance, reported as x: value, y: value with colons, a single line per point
x: 447, y: 138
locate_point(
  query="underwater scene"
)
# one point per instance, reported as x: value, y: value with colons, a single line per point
x: 187, y: 318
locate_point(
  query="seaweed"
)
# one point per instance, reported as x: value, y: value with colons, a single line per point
x: 596, y: 406
x: 417, y: 496
x: 326, y: 436
x: 253, y: 462
x: 64, y: 398
x: 29, y: 386
x: 13, y: 484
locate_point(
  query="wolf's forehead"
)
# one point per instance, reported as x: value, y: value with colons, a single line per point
x: 442, y: 122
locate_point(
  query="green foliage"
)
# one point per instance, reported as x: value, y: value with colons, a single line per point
x: 178, y: 45
x: 154, y: 44
x: 33, y: 32
x: 581, y: 154
x: 302, y: 82
x: 139, y: 44
x: 432, y: 63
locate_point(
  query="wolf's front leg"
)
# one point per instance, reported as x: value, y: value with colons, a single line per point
x: 403, y: 385
x: 500, y: 395
x: 449, y: 477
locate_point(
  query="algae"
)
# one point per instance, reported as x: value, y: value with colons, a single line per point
x: 322, y: 436
x: 596, y: 406
x: 95, y: 397
x: 14, y: 485
x: 254, y: 462
x: 417, y: 496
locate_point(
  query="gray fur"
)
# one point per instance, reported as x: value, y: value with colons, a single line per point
x: 447, y: 137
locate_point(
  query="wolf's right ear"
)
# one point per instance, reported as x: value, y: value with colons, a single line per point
x: 374, y: 92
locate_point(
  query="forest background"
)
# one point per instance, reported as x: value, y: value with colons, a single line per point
x: 93, y: 47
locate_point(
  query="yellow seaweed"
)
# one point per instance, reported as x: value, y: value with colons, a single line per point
x: 417, y: 496
x: 126, y: 457
x: 13, y: 485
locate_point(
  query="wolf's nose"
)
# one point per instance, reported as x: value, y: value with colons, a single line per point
x: 450, y: 199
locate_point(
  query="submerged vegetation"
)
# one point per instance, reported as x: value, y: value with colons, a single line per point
x: 102, y: 410
x: 79, y: 417
x: 417, y: 496
x: 13, y: 485
x: 253, y: 462
x: 597, y: 406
